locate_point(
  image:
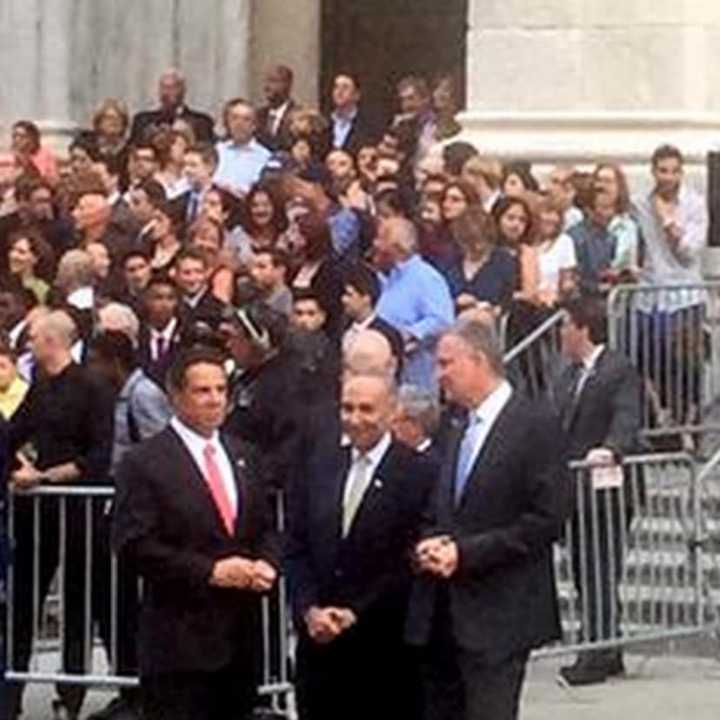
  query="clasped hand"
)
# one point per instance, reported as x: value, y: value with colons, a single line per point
x: 325, y: 624
x: 437, y: 556
x: 26, y: 476
x: 243, y: 574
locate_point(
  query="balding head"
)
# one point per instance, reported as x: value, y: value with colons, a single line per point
x: 171, y: 89
x: 396, y: 241
x: 367, y: 408
x: 369, y: 353
x: 51, y: 337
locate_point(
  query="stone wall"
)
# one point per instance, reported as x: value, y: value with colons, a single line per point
x: 59, y: 58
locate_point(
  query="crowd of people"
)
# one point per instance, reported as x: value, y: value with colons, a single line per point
x: 202, y: 312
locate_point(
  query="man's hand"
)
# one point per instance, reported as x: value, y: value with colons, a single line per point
x: 438, y: 556
x: 323, y: 624
x: 233, y: 572
x: 264, y: 576
x: 26, y: 476
x: 600, y: 456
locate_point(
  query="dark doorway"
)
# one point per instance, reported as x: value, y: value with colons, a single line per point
x: 380, y: 41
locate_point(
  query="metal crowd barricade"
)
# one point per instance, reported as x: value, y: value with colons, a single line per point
x: 671, y: 335
x: 534, y: 363
x: 632, y: 567
x: 64, y: 526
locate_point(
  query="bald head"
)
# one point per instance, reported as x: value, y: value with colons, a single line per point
x: 369, y: 353
x: 396, y: 241
x: 171, y: 89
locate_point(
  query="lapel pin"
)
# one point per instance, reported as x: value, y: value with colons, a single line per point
x: 377, y: 483
x: 241, y: 463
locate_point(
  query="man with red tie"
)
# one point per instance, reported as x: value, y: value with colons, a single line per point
x: 190, y: 514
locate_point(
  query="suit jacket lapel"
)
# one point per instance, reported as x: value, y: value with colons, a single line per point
x: 374, y: 490
x: 576, y: 397
x: 492, y: 447
x: 189, y: 469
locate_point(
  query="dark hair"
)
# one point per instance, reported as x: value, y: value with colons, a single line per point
x: 135, y: 253
x: 278, y: 257
x: 468, y: 190
x: 177, y: 374
x: 162, y: 278
x: 590, y: 313
x: 113, y: 163
x: 144, y: 144
x: 456, y: 154
x: 397, y: 199
x: 207, y: 152
x: 114, y: 345
x: 664, y: 152
x: 231, y: 204
x: 6, y: 349
x: 154, y: 191
x: 26, y: 185
x: 279, y: 220
x: 190, y: 253
x: 32, y: 130
x: 502, y: 205
x: 39, y: 247
x: 318, y: 237
x: 230, y: 104
x: 86, y: 140
x: 524, y: 171
x: 364, y: 281
x: 307, y: 294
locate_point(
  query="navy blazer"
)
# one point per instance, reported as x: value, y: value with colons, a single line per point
x: 168, y: 524
x: 368, y: 571
x: 503, y: 596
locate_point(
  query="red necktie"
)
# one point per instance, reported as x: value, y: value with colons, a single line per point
x: 217, y: 488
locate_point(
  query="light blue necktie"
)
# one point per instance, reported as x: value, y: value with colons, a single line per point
x: 466, y: 456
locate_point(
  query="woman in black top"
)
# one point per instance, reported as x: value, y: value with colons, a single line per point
x: 484, y: 274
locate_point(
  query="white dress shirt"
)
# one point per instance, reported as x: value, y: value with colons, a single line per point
x: 341, y: 127
x: 166, y: 334
x: 487, y: 413
x: 372, y: 459
x: 276, y: 116
x: 356, y: 328
x: 240, y: 165
x: 196, y: 443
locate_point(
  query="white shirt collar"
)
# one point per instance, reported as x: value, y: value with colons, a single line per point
x: 83, y: 298
x: 364, y: 324
x: 375, y: 454
x: 280, y: 110
x: 424, y: 446
x: 191, y: 438
x: 492, y: 405
x: 167, y: 332
x: 591, y: 360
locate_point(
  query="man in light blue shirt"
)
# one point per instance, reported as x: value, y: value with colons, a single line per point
x: 242, y: 157
x: 415, y: 298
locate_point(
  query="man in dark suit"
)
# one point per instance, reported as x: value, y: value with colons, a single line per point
x: 273, y: 119
x: 197, y: 303
x: 355, y: 514
x: 161, y: 329
x: 486, y: 593
x: 171, y: 94
x: 191, y: 516
x: 599, y: 403
x: 349, y: 129
x: 360, y: 296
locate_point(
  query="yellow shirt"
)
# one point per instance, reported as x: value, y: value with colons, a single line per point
x: 11, y: 398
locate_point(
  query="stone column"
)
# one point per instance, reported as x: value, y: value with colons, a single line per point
x: 570, y: 80
x: 60, y: 58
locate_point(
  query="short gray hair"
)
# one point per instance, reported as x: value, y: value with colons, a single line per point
x: 75, y: 270
x: 420, y: 405
x: 482, y: 339
x: 58, y: 323
x: 117, y: 317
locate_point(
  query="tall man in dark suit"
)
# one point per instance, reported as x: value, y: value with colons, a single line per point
x: 600, y: 408
x: 354, y: 519
x: 273, y: 119
x: 191, y: 516
x: 486, y: 593
x: 349, y: 129
x: 171, y: 95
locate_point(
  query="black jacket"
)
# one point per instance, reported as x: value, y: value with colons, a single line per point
x: 502, y: 598
x: 168, y: 523
x: 202, y: 124
x: 363, y: 132
x: 369, y: 571
x: 282, y: 139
